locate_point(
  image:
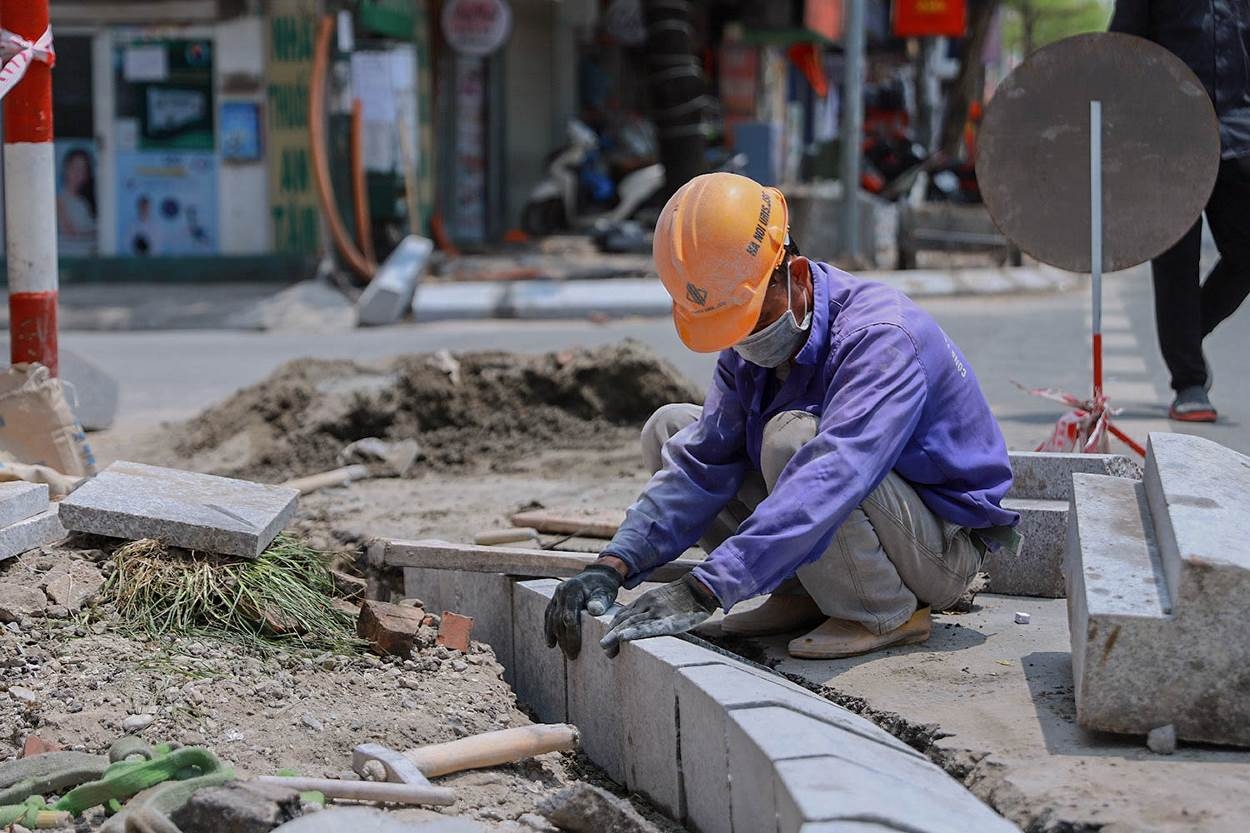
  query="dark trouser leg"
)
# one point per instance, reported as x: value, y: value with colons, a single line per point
x: 1228, y: 213
x: 1178, y: 310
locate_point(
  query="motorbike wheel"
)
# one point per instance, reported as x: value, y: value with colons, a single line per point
x: 540, y: 219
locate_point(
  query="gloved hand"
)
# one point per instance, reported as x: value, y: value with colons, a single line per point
x: 674, y: 608
x: 594, y: 589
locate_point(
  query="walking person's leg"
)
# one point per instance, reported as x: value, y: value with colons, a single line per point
x: 1228, y: 214
x: 1178, y: 317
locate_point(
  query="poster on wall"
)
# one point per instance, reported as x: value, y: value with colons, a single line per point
x: 240, y: 131
x: 166, y: 204
x: 76, y: 210
x: 166, y: 86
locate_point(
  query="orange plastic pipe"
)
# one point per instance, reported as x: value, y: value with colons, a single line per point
x: 360, y: 189
x: 321, y: 160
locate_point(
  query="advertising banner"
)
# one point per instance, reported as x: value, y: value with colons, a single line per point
x: 166, y: 203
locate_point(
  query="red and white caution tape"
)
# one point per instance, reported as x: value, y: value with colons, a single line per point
x: 17, y: 53
x: 1086, y: 428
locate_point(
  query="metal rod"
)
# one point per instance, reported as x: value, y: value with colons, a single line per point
x: 853, y: 46
x: 1095, y: 234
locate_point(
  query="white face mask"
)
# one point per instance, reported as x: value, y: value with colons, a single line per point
x: 780, y: 340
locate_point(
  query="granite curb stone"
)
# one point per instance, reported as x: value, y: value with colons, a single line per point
x: 1159, y: 572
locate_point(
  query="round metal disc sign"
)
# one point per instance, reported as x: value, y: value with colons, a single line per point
x: 476, y: 27
x: 1160, y: 150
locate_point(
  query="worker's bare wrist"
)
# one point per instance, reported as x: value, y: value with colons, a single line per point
x: 615, y: 563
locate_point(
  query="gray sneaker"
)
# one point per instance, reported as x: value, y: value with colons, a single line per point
x: 1192, y: 405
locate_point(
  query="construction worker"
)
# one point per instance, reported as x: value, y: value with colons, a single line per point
x: 845, y: 459
x: 1213, y: 38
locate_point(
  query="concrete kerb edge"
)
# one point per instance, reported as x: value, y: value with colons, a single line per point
x: 650, y: 745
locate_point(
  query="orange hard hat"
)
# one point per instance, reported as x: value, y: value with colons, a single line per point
x: 717, y: 242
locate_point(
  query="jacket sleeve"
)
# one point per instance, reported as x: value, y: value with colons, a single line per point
x: 873, y: 405
x: 704, y: 466
x: 1132, y: 17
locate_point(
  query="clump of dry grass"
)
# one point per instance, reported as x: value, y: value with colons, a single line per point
x: 284, y: 596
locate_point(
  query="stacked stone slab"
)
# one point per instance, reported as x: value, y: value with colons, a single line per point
x: 1158, y: 575
x: 1041, y: 493
x: 721, y: 745
x: 181, y: 508
x: 27, y: 518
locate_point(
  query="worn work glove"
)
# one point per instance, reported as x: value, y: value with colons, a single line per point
x: 674, y: 608
x: 594, y: 589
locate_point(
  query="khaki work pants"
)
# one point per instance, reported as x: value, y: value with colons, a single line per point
x: 889, y: 557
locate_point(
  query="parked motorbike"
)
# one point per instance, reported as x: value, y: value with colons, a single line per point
x: 561, y: 202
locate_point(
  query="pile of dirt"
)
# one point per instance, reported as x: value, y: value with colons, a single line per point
x: 472, y: 410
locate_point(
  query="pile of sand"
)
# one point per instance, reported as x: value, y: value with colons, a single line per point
x: 467, y: 410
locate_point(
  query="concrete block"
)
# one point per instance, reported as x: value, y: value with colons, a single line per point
x: 487, y: 597
x: 1037, y: 569
x: 19, y: 501
x: 27, y: 534
x: 185, y: 509
x: 1158, y: 577
x: 704, y: 754
x: 93, y: 394
x: 594, y: 697
x: 539, y: 675
x: 649, y: 709
x: 846, y: 826
x: 735, y: 687
x: 835, y: 789
x: 389, y: 294
x: 758, y: 738
x: 1047, y: 475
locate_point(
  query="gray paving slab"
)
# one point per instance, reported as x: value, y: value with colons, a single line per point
x: 594, y: 698
x: 648, y: 697
x: 487, y: 597
x: 185, y: 509
x: 760, y: 738
x: 1047, y: 475
x: 704, y: 753
x: 27, y: 534
x: 1037, y: 568
x: 539, y: 675
x: 20, y: 500
x: 736, y: 688
x: 833, y: 788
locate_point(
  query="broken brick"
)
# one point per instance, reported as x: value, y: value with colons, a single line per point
x: 36, y: 745
x: 454, y: 631
x: 348, y: 586
x: 389, y: 628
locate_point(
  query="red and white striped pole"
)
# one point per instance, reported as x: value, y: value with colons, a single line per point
x: 30, y: 191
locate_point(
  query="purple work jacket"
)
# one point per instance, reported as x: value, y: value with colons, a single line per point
x: 891, y: 392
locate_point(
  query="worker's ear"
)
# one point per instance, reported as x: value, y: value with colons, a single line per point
x: 801, y: 270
